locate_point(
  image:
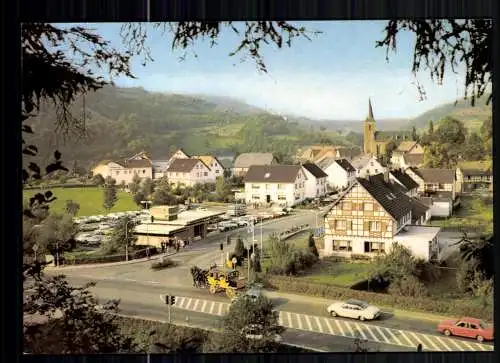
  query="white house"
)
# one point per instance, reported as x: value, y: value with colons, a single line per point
x: 283, y: 185
x: 340, y: 172
x: 188, y: 172
x: 370, y: 217
x: 216, y: 167
x: 124, y: 171
x: 316, y: 180
x: 372, y: 167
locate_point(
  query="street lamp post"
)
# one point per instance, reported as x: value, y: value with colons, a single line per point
x: 126, y: 238
x: 146, y: 202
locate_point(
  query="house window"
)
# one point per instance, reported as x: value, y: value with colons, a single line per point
x: 255, y: 186
x: 346, y: 206
x: 441, y: 186
x: 345, y: 246
x: 255, y: 196
x: 368, y: 206
x: 144, y: 171
x: 118, y: 172
x: 281, y: 197
x: 217, y: 172
x: 340, y: 224
x: 376, y: 170
x: 205, y: 174
x: 375, y: 227
x: 281, y: 186
x: 377, y: 247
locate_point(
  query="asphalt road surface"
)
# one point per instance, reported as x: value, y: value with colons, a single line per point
x: 306, y: 320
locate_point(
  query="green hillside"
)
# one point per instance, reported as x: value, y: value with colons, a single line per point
x: 122, y: 121
x: 472, y: 117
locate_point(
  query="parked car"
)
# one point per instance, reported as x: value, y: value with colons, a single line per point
x: 354, y: 309
x: 226, y: 226
x: 467, y: 328
x: 211, y: 227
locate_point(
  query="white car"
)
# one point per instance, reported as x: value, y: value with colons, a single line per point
x: 354, y: 309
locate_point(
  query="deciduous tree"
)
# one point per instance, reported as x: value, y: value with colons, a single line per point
x: 109, y: 195
x: 72, y: 207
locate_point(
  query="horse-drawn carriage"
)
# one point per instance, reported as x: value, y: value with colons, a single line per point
x: 218, y: 280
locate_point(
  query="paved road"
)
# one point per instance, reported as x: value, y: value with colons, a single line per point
x: 308, y: 318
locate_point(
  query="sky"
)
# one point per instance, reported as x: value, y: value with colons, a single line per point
x: 330, y: 77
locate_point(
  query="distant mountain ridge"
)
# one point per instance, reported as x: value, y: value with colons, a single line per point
x: 122, y: 121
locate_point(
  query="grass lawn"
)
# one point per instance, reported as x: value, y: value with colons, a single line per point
x: 475, y: 211
x: 90, y: 200
x: 329, y: 271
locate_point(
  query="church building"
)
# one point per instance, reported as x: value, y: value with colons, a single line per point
x: 376, y: 142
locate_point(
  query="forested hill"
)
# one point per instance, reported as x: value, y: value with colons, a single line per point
x: 122, y: 121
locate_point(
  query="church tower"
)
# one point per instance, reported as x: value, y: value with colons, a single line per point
x: 369, y: 131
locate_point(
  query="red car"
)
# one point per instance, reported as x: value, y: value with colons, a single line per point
x: 467, y: 328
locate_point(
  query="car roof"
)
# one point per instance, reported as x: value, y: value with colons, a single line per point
x: 470, y: 320
x: 356, y: 302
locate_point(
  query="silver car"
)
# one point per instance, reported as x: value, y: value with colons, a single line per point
x: 354, y: 309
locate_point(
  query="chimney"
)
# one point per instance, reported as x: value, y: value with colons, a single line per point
x: 386, y: 176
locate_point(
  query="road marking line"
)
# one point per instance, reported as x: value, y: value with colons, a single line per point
x: 212, y: 307
x: 153, y: 282
x: 308, y: 323
x: 184, y: 302
x: 430, y: 341
x: 349, y: 328
x: 369, y: 330
x: 410, y: 343
x: 443, y: 343
x: 129, y: 279
x: 329, y: 326
x: 189, y: 304
x: 195, y: 306
x: 382, y: 334
x: 360, y: 329
x: 289, y: 316
x: 418, y: 340
x: 220, y: 309
x: 339, y: 327
x: 204, y: 305
x: 469, y: 346
x: 456, y: 344
x: 299, y: 321
x: 319, y: 324
x: 280, y: 319
x: 393, y: 336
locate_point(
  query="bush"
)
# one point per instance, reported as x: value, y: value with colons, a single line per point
x: 445, y: 307
x: 162, y: 264
x: 408, y: 286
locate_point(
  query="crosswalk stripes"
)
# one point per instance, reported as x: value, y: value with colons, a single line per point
x: 339, y: 327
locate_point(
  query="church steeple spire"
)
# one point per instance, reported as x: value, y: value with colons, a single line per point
x: 370, y: 109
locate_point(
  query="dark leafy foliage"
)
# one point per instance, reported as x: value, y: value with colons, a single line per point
x: 441, y: 43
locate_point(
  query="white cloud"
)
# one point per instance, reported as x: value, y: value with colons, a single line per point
x: 312, y: 94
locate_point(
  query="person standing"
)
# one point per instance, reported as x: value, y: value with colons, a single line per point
x: 147, y: 252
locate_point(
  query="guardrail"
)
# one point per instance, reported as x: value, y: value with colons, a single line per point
x: 293, y: 231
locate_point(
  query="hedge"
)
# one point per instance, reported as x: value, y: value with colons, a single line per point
x: 90, y: 259
x: 445, y: 307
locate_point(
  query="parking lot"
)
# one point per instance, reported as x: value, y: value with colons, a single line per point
x: 370, y: 331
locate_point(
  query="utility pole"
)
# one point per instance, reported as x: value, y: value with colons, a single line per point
x: 126, y: 239
x: 57, y: 254
x: 261, y: 239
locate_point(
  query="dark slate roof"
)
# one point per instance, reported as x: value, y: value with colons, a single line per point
x: 440, y: 176
x: 393, y: 186
x: 404, y: 179
x: 140, y: 163
x: 315, y: 170
x: 413, y: 159
x: 272, y: 173
x: 246, y: 160
x: 396, y: 204
x: 183, y: 165
x: 346, y: 165
x: 418, y: 209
